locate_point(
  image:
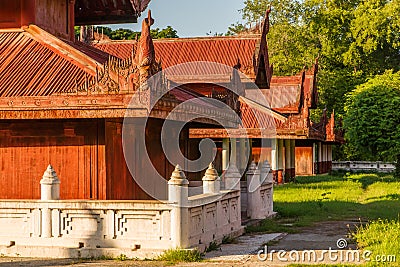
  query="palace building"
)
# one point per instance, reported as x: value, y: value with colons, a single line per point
x: 84, y: 128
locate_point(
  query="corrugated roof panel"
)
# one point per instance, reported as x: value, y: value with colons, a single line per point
x: 223, y: 50
x: 30, y: 68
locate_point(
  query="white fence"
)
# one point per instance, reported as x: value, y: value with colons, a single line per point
x: 139, y: 229
x: 366, y: 166
x: 73, y: 229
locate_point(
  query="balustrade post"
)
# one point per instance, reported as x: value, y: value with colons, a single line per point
x: 50, y: 190
x: 178, y: 196
x: 211, y: 181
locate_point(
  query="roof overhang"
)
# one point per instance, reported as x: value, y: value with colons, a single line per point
x: 89, y: 12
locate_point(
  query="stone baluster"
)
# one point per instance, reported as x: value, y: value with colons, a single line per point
x: 50, y: 185
x: 178, y: 196
x: 50, y: 190
x: 211, y: 181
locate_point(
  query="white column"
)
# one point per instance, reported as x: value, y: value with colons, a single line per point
x: 274, y: 159
x: 178, y: 196
x: 211, y: 181
x: 288, y: 159
x: 293, y: 158
x: 233, y: 158
x: 225, y: 154
x: 280, y: 161
x: 242, y: 155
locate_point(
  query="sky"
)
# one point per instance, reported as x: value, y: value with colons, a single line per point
x: 191, y: 17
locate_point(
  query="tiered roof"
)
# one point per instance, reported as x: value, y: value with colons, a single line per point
x: 44, y: 77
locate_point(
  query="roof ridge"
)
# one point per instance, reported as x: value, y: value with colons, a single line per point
x: 63, y: 49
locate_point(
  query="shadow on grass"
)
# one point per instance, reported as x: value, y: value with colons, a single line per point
x: 364, y: 179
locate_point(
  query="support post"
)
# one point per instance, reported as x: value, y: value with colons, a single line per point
x: 178, y: 195
x: 288, y: 161
x: 280, y: 162
x: 242, y: 155
x: 211, y: 181
x: 253, y: 192
x: 225, y: 154
x: 293, y: 159
x: 274, y: 159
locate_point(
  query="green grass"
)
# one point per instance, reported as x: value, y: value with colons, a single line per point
x: 363, y: 197
x: 381, y: 237
x: 372, y: 198
x: 174, y: 256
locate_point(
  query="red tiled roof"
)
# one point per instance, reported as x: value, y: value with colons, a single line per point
x: 283, y: 96
x: 92, y: 52
x: 172, y: 52
x: 255, y: 116
x: 31, y: 68
x: 120, y: 49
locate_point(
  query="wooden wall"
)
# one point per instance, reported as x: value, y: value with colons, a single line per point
x: 74, y: 148
x: 304, y: 157
x: 54, y: 16
x: 148, y: 165
x: 10, y: 14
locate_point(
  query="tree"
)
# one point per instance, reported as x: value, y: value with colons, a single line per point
x: 126, y: 34
x: 354, y: 39
x: 372, y: 119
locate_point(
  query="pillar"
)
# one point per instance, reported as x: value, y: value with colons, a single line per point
x: 288, y: 159
x: 293, y: 159
x: 315, y: 158
x: 232, y: 175
x: 233, y: 157
x: 242, y: 155
x: 280, y: 162
x: 225, y: 154
x: 329, y: 158
x: 266, y: 174
x: 253, y: 192
x: 178, y: 196
x: 274, y: 159
x: 50, y: 190
x: 211, y: 181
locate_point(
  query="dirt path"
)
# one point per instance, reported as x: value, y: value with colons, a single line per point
x: 320, y: 237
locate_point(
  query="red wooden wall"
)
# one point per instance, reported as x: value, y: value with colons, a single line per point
x: 74, y: 148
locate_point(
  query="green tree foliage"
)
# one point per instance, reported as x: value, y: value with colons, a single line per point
x: 354, y: 40
x: 126, y: 34
x: 372, y: 119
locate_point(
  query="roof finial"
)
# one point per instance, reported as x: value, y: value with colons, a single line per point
x: 149, y: 19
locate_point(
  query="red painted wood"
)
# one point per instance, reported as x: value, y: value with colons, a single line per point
x: 27, y: 147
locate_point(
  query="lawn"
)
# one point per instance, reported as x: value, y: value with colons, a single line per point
x: 363, y: 197
x: 373, y: 199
